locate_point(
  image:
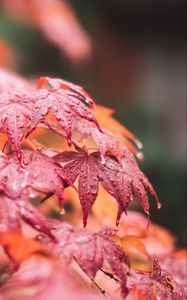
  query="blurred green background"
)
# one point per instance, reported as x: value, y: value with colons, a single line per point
x: 137, y: 66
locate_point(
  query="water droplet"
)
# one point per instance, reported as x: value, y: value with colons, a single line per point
x: 62, y: 211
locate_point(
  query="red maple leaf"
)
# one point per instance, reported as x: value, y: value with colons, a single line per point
x: 12, y: 209
x: 15, y: 112
x: 17, y: 178
x: 9, y: 216
x: 175, y: 264
x: 105, y: 140
x: 90, y: 250
x: 65, y: 100
x: 121, y: 179
x: 158, y: 284
x: 70, y: 88
x: 105, y: 117
x: 20, y: 109
x: 21, y: 181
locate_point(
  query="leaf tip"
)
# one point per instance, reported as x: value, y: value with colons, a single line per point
x: 140, y: 155
x: 159, y: 205
x: 85, y: 217
x: 41, y: 82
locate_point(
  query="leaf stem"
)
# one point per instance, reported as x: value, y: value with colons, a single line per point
x: 110, y: 275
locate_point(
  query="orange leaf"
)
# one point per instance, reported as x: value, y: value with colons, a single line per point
x: 156, y: 239
x: 137, y: 294
x: 20, y: 248
x: 139, y: 258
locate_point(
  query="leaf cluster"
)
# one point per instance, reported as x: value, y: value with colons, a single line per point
x: 92, y: 156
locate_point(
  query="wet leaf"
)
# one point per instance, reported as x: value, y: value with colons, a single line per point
x: 15, y: 114
x: 157, y: 284
x: 104, y: 116
x: 90, y: 250
x: 21, y: 181
x: 121, y: 179
x: 39, y: 279
x: 65, y: 100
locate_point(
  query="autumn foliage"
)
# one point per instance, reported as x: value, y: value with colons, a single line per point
x: 58, y: 149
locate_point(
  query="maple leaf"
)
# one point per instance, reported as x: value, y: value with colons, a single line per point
x: 156, y: 239
x: 9, y: 219
x: 106, y: 142
x: 90, y: 250
x: 138, y: 256
x: 17, y: 178
x: 21, y: 109
x: 19, y: 208
x: 139, y: 183
x: 104, y: 116
x: 112, y: 139
x: 70, y: 88
x: 109, y: 140
x: 21, y: 181
x: 15, y: 112
x: 46, y: 279
x: 120, y: 179
x: 65, y: 101
x: 156, y: 284
x: 175, y: 263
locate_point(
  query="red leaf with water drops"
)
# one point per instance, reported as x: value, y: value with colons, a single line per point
x: 175, y: 264
x: 120, y: 179
x: 9, y: 215
x: 65, y: 100
x: 105, y: 140
x: 90, y: 250
x: 70, y: 88
x: 36, y: 166
x: 106, y: 120
x: 18, y: 178
x: 11, y: 210
x: 137, y: 182
x: 158, y: 284
x: 15, y: 112
x: 24, y: 108
x: 21, y: 181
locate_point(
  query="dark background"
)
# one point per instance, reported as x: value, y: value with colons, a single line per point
x: 138, y: 68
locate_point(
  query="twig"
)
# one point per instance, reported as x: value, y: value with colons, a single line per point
x: 110, y: 275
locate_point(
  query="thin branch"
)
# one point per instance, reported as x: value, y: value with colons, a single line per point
x: 94, y: 282
x: 46, y: 197
x: 110, y: 275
